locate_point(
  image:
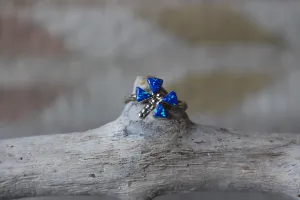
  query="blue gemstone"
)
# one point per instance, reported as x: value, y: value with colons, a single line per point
x: 141, y: 94
x: 160, y: 112
x: 155, y: 84
x: 171, y: 98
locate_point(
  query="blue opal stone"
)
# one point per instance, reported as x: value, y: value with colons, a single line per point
x: 160, y: 112
x: 171, y: 98
x: 155, y: 84
x: 141, y: 94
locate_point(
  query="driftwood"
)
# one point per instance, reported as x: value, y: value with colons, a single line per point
x: 137, y: 159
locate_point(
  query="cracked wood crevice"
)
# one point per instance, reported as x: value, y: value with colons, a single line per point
x: 137, y: 159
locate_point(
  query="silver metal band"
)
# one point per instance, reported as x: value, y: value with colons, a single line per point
x: 129, y: 98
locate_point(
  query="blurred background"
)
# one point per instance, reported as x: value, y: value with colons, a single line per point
x: 66, y: 65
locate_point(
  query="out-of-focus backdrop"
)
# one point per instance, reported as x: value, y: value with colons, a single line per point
x: 66, y: 65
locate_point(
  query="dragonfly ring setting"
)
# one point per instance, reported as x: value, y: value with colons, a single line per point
x: 158, y: 99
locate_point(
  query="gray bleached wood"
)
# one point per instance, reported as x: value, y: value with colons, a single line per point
x: 137, y: 159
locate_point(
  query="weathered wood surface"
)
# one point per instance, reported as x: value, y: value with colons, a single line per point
x: 137, y: 159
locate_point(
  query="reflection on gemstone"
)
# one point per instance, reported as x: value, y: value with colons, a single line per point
x: 160, y: 112
x: 141, y: 94
x: 155, y: 84
x: 171, y: 98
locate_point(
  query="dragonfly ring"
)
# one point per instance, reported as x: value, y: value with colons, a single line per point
x: 158, y: 99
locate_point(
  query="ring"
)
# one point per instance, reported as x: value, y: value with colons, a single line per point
x: 156, y: 100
